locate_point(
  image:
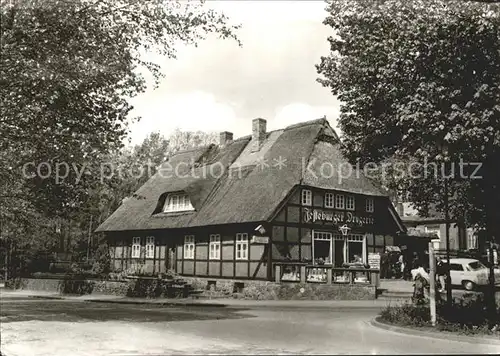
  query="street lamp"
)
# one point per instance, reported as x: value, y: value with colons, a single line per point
x: 344, y: 229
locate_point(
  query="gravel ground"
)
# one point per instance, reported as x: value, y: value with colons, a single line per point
x: 55, y: 327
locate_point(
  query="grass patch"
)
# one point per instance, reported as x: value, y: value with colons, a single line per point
x: 467, y: 316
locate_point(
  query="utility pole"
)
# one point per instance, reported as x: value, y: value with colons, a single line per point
x: 432, y: 282
x: 6, y: 260
x: 4, y: 243
x: 491, y: 279
x: 447, y: 223
x: 490, y: 232
x: 89, y: 238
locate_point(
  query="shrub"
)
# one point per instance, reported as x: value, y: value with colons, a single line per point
x: 407, y: 315
x: 468, y: 315
x: 97, y: 269
x: 471, y: 310
x: 137, y: 269
x: 117, y: 276
x: 149, y: 288
x: 14, y: 283
x: 102, y: 261
x: 75, y: 286
x: 76, y: 269
x: 37, y: 261
x: 154, y: 288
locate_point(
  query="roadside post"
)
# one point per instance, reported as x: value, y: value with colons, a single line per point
x: 432, y: 284
x: 491, y: 283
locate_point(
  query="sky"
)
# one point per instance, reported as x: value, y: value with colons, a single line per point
x: 219, y: 86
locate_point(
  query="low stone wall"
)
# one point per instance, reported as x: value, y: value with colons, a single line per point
x: 71, y: 286
x: 38, y: 284
x: 144, y: 288
x: 217, y: 288
x: 264, y: 290
x: 111, y: 288
x: 311, y: 291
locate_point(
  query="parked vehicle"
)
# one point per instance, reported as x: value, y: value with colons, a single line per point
x: 470, y: 273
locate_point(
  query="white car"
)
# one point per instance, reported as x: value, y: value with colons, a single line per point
x: 470, y: 273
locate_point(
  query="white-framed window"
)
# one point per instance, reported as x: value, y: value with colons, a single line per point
x: 349, y: 249
x: 472, y: 242
x: 349, y: 202
x: 354, y: 238
x: 189, y: 246
x: 150, y: 247
x: 322, y: 246
x: 355, y: 248
x: 320, y: 235
x: 242, y: 246
x: 370, y: 206
x: 339, y: 201
x: 177, y: 202
x: 214, y: 247
x: 329, y: 200
x: 306, y: 197
x: 136, y: 247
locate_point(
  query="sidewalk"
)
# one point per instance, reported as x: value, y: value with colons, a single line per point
x: 396, y: 285
x: 236, y: 303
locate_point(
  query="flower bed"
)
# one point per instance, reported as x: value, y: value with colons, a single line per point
x: 469, y: 315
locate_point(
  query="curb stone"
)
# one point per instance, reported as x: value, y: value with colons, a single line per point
x: 170, y: 303
x: 216, y: 304
x: 219, y: 303
x: 435, y: 335
x: 45, y: 297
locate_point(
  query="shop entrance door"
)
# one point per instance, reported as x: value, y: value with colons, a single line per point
x: 170, y: 262
x: 339, y: 252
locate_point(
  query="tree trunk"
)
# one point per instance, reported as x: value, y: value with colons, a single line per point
x: 490, y: 212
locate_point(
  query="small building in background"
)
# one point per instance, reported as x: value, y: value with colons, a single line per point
x: 461, y: 238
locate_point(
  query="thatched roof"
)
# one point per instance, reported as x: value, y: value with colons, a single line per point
x: 245, y: 192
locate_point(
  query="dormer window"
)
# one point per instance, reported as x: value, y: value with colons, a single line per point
x: 177, y: 202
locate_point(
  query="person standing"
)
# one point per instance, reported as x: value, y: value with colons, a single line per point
x: 384, y: 265
x: 402, y: 265
x: 415, y: 262
x: 441, y: 273
x: 420, y: 279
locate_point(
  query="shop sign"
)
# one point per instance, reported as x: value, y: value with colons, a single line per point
x: 313, y: 215
x: 259, y: 239
x: 374, y: 260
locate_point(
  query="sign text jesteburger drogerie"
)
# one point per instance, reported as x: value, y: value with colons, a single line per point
x: 313, y: 215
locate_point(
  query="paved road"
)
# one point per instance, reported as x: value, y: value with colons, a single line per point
x: 55, y: 327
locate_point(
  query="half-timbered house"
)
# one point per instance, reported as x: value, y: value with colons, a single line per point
x: 234, y: 209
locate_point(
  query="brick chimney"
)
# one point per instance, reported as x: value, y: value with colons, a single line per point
x: 258, y: 133
x: 225, y: 138
x: 400, y: 208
